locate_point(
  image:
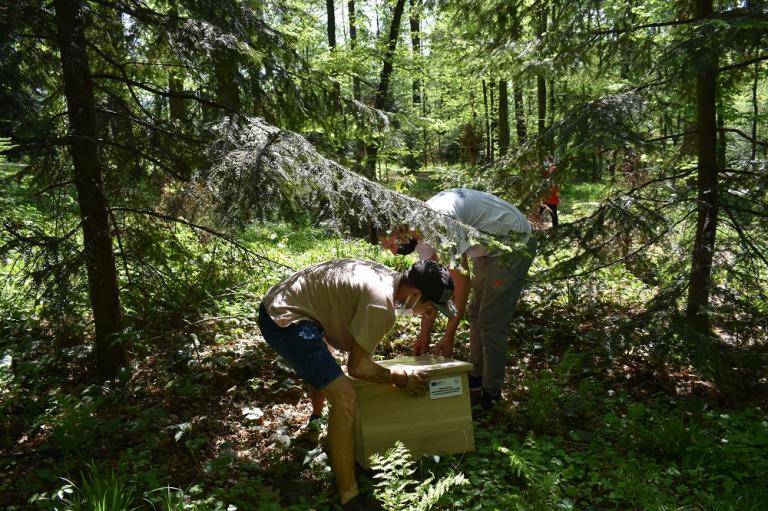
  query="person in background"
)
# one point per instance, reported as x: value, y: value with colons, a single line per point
x: 349, y: 304
x: 496, y: 281
x: 552, y: 198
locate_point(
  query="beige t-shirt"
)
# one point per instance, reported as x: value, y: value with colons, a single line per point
x: 340, y: 295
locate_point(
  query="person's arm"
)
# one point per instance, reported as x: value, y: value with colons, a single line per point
x: 461, y: 290
x: 421, y: 346
x: 462, y: 287
x: 361, y: 366
x: 424, y: 339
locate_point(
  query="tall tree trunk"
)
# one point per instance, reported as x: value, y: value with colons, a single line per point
x: 721, y: 136
x: 626, y: 49
x: 356, y: 91
x: 503, y: 118
x: 114, y: 122
x: 541, y: 84
x: 522, y: 132
x: 551, y: 105
x: 492, y: 131
x: 177, y: 107
x: 382, y: 91
x: 700, y: 281
x: 227, y: 88
x: 753, y: 153
x: 541, y: 88
x: 177, y: 113
x: 97, y: 239
x: 414, y: 21
x: 487, y: 123
x: 353, y: 44
x: 381, y: 99
x: 331, y: 11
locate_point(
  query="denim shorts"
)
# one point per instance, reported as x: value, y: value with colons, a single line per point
x: 302, y: 346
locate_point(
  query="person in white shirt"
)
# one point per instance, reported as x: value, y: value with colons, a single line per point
x: 496, y: 282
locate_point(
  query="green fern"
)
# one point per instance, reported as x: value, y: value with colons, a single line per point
x: 397, y: 487
x: 519, y: 467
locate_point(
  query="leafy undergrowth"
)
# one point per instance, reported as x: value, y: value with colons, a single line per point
x: 208, y: 419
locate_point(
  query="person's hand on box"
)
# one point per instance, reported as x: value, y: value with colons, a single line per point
x: 445, y: 347
x: 417, y: 384
x: 421, y: 346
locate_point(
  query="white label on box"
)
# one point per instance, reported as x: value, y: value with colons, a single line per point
x: 445, y: 387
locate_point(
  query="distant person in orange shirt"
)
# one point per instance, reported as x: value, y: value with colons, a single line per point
x: 552, y: 198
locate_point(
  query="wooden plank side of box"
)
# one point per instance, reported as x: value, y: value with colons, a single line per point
x: 426, y: 425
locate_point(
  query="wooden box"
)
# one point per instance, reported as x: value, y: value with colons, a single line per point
x: 439, y: 422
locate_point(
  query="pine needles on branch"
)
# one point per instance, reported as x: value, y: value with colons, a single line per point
x: 260, y: 170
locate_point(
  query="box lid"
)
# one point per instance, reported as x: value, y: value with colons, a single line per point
x: 432, y: 365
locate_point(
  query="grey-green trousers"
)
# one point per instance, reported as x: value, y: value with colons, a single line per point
x: 497, y: 283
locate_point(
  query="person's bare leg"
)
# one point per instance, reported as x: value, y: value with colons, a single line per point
x: 317, y: 398
x: 341, y: 397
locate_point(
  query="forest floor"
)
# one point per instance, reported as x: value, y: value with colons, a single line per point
x: 224, y: 426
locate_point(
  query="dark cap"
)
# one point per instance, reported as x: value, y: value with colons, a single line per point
x: 435, y: 283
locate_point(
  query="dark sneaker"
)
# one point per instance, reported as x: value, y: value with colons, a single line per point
x: 475, y: 383
x: 362, y: 502
x: 485, y: 400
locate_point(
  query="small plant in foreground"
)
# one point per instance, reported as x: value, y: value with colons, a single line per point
x: 99, y: 490
x: 397, y: 487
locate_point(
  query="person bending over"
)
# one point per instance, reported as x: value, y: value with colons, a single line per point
x: 350, y: 304
x: 496, y: 281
